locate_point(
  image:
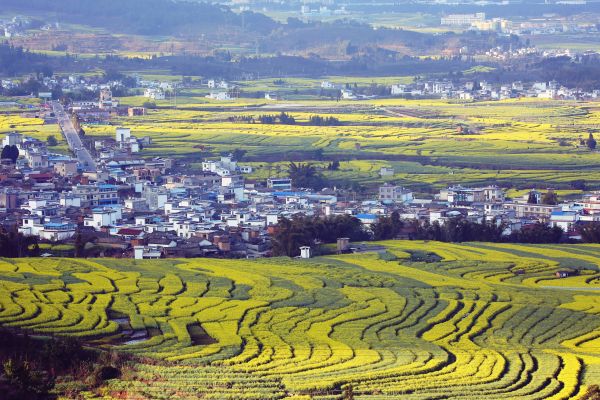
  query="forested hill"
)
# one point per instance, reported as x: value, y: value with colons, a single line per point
x: 145, y: 17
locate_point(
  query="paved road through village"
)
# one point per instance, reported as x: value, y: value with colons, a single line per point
x: 66, y: 125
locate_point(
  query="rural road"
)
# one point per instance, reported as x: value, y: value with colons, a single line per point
x: 83, y: 156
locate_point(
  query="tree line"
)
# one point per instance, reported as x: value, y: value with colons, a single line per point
x: 460, y: 229
x: 285, y: 119
x: 303, y: 230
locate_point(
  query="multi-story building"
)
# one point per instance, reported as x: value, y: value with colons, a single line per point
x: 463, y: 19
x: 97, y: 195
x: 537, y: 211
x: 279, y: 183
x: 397, y: 194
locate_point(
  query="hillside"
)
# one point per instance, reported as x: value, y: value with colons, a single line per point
x: 181, y: 27
x: 425, y: 320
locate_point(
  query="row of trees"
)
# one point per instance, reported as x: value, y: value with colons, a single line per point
x: 462, y: 230
x: 283, y: 118
x: 15, y: 245
x: 306, y: 231
x: 590, y: 233
x: 286, y: 119
x: 318, y: 120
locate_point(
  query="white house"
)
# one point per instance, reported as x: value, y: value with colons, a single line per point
x: 123, y: 135
x: 398, y: 90
x: 105, y: 216
x: 146, y: 253
x: 566, y: 220
x: 348, y: 95
x: 221, y: 96
x: 154, y: 94
x: 57, y: 231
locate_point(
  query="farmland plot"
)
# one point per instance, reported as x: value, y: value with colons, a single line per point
x: 486, y: 321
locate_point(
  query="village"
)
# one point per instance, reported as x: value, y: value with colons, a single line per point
x: 109, y: 200
x: 128, y: 206
x: 86, y: 88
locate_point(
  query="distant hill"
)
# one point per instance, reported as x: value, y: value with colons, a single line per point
x: 144, y: 17
x: 199, y: 28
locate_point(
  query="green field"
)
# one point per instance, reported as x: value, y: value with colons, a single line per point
x: 513, y: 143
x: 473, y: 321
x: 517, y: 144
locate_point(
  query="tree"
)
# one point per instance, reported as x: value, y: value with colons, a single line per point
x: 306, y: 176
x: 386, y: 228
x: 51, y: 140
x: 532, y: 199
x: 301, y: 230
x: 290, y: 236
x: 25, y: 381
x: 5, y: 152
x: 591, y: 142
x: 238, y: 154
x: 286, y: 119
x: 10, y: 152
x: 334, y: 166
x: 578, y: 184
x: 14, y: 245
x: 348, y: 393
x: 319, y: 153
x: 590, y: 233
x: 460, y: 229
x: 537, y: 233
x: 81, y: 240
x: 550, y: 198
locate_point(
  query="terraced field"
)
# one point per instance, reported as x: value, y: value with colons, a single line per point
x: 486, y: 321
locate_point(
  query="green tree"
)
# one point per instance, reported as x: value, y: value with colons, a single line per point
x: 25, y: 381
x: 239, y: 154
x: 290, y: 236
x: 537, y: 233
x: 306, y: 176
x: 590, y: 233
x: 532, y: 199
x: 334, y: 166
x: 387, y: 227
x: 591, y: 142
x: 10, y: 152
x: 299, y: 231
x: 51, y: 140
x: 14, y: 245
x: 550, y: 198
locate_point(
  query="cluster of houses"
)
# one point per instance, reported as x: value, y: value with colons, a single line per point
x: 549, y: 24
x: 144, y: 209
x: 15, y: 26
x: 155, y: 90
x: 473, y: 90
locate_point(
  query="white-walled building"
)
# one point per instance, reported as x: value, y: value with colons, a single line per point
x: 106, y: 216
